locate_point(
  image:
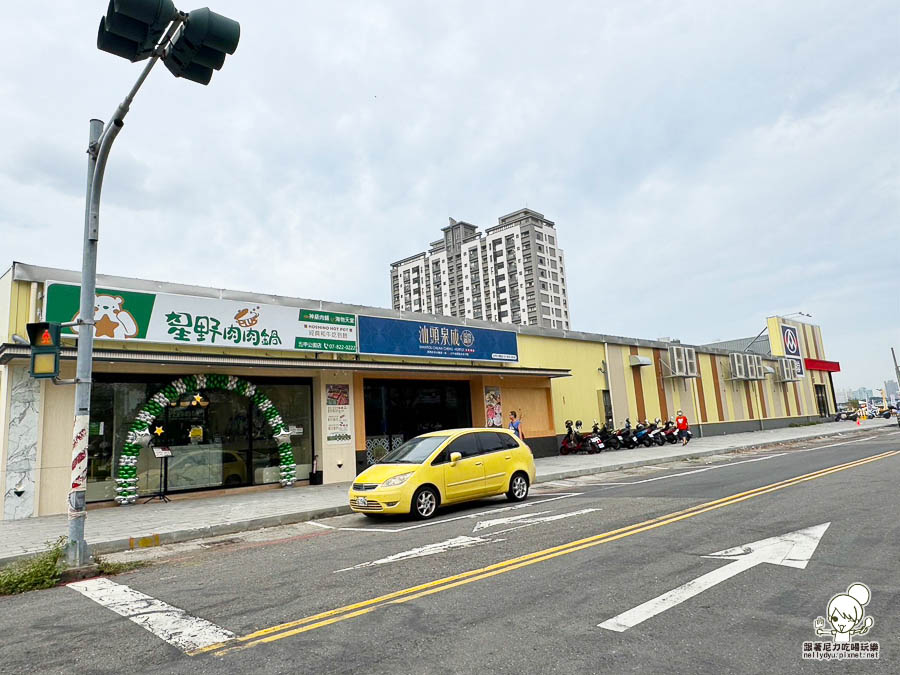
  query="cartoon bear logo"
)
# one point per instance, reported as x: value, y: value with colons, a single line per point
x: 110, y: 320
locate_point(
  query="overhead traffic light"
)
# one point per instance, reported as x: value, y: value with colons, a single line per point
x: 206, y: 39
x: 44, y: 340
x: 132, y: 28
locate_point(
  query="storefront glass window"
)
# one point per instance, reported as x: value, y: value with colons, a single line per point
x: 113, y: 408
x: 217, y: 438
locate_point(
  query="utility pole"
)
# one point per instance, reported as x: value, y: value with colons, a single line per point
x: 135, y: 30
x: 896, y: 367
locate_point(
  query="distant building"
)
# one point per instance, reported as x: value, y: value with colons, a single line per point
x: 862, y: 394
x: 513, y: 273
x: 891, y: 388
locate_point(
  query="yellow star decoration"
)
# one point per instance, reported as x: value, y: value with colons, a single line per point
x: 158, y: 431
x: 197, y: 399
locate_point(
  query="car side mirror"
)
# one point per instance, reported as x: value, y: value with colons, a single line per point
x: 455, y: 457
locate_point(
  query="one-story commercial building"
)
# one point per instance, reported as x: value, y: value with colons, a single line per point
x: 200, y: 390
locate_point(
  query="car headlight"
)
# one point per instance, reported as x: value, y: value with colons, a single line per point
x: 399, y: 479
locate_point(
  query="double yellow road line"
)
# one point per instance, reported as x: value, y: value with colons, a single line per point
x: 323, y: 619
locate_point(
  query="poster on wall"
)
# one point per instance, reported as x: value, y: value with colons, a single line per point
x: 337, y: 413
x: 493, y: 410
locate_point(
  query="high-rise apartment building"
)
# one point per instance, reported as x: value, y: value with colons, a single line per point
x: 514, y: 272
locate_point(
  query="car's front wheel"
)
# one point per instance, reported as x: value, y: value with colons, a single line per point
x: 518, y: 487
x: 424, y: 502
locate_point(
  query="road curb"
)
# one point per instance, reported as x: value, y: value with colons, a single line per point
x: 250, y: 524
x: 180, y: 536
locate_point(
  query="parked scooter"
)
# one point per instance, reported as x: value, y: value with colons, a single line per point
x: 656, y: 434
x: 670, y: 432
x: 608, y: 438
x: 626, y: 435
x: 642, y: 434
x: 575, y: 441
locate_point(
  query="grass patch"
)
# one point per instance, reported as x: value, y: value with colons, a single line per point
x: 39, y: 571
x: 108, y: 568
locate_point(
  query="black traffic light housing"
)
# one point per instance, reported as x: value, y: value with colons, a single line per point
x: 132, y: 28
x: 44, y: 339
x: 206, y: 39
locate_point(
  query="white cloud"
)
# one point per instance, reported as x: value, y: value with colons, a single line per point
x: 707, y: 164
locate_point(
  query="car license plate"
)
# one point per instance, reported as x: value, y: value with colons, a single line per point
x: 362, y: 501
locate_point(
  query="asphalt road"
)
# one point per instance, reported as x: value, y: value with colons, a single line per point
x: 490, y: 588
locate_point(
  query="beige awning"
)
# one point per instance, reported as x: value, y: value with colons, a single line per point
x: 9, y: 352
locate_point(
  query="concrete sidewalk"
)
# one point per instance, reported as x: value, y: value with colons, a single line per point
x: 121, y: 528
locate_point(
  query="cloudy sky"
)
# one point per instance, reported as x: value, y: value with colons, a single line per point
x: 707, y: 163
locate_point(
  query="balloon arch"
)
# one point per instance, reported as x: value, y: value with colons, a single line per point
x: 139, y: 436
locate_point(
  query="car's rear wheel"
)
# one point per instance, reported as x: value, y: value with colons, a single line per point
x: 424, y: 502
x: 518, y: 487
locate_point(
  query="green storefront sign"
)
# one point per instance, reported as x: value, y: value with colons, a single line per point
x: 182, y: 319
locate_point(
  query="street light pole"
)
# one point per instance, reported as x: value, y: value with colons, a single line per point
x: 76, y: 553
x: 133, y: 30
x: 98, y: 152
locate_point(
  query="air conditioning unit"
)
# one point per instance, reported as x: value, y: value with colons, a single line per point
x: 760, y: 368
x: 738, y: 368
x: 690, y: 361
x: 682, y: 361
x: 750, y: 365
x: 676, y: 361
x: 787, y: 371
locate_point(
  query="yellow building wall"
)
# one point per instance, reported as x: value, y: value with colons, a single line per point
x: 572, y: 397
x: 55, y: 444
x: 21, y: 308
x: 643, y: 392
x: 5, y: 295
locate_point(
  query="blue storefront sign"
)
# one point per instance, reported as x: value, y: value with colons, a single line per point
x: 399, y: 337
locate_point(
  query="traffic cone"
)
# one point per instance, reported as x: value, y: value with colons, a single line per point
x: 857, y: 422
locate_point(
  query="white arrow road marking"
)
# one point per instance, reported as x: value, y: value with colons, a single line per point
x: 527, y: 520
x: 422, y: 551
x: 466, y: 516
x: 484, y: 524
x: 173, y: 625
x: 793, y: 549
x: 546, y: 519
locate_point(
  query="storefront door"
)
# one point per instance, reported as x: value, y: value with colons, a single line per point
x: 207, y: 434
x: 397, y: 410
x: 822, y: 400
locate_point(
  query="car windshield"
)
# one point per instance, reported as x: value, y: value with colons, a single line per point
x: 414, y: 451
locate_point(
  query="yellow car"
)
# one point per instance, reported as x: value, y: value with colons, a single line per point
x: 445, y: 467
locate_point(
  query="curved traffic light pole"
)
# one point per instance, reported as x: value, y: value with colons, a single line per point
x: 101, y: 141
